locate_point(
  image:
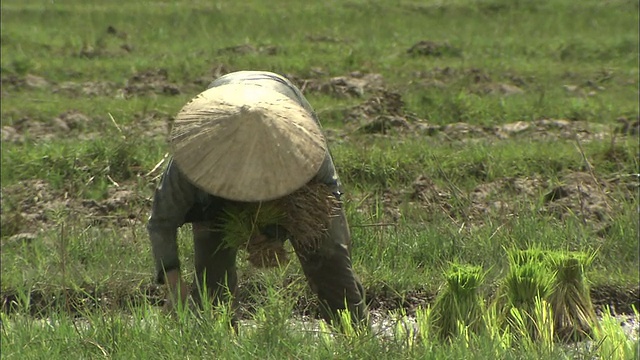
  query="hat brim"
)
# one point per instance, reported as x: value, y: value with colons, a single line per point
x: 247, y: 143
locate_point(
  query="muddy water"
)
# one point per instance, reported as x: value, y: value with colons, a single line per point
x: 383, y: 326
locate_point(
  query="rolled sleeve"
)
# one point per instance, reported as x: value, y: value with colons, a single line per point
x: 171, y: 202
x: 327, y: 175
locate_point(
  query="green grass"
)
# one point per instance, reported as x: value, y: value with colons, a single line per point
x: 85, y: 246
x: 145, y: 332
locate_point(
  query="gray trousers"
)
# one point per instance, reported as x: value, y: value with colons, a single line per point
x: 328, y: 270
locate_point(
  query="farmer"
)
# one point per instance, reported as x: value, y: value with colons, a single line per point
x: 250, y: 138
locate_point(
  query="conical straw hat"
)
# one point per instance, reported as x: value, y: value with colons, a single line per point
x: 247, y: 143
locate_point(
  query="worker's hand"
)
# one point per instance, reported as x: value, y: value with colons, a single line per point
x: 178, y: 291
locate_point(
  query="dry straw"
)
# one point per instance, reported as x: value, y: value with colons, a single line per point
x: 304, y: 216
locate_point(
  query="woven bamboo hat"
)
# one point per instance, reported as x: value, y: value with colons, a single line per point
x: 247, y: 143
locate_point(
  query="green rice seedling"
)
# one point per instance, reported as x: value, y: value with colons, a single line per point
x: 611, y: 340
x: 242, y: 226
x: 326, y: 336
x: 241, y: 223
x: 526, y: 283
x: 303, y: 216
x: 538, y: 321
x: 560, y: 279
x: 499, y: 335
x: 573, y: 312
x: 423, y: 319
x: 533, y: 254
x: 345, y: 325
x: 459, y: 304
x: 405, y: 334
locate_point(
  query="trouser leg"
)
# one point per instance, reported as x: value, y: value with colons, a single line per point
x: 329, y: 272
x: 215, y: 266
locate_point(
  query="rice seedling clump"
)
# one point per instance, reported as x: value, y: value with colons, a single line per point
x: 459, y: 303
x: 559, y: 279
x: 573, y: 312
x: 302, y: 217
x: 529, y: 280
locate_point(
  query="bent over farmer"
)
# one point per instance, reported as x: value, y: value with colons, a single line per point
x: 251, y: 147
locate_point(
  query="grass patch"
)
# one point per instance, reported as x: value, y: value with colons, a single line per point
x: 494, y: 95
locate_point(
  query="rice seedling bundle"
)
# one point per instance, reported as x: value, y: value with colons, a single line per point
x: 559, y: 279
x: 459, y: 304
x: 529, y: 280
x: 531, y: 255
x: 303, y: 217
x: 573, y: 312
